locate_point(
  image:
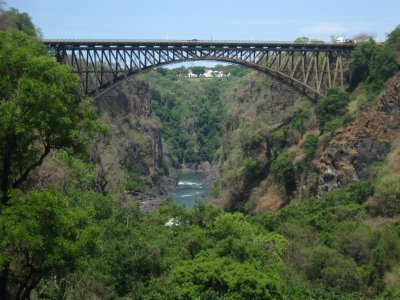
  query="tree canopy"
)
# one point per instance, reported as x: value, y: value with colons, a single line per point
x: 40, y: 109
x: 374, y: 63
x: 13, y: 19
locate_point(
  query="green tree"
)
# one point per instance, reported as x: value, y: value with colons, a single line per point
x: 332, y: 106
x: 315, y: 41
x: 327, y: 266
x: 39, y: 109
x: 373, y: 63
x: 13, y: 19
x: 42, y: 236
x: 363, y: 37
x: 222, y: 278
x: 282, y: 171
x: 381, y: 68
x: 393, y: 38
x: 302, y: 40
x: 354, y: 239
x: 362, y: 55
x: 310, y: 144
x: 198, y: 70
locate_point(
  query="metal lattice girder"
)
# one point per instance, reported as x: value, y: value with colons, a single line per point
x: 101, y: 64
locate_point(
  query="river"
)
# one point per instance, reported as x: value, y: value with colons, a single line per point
x: 190, y: 186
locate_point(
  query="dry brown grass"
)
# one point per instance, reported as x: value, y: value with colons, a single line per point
x: 379, y: 222
x: 392, y: 278
x: 268, y: 197
x: 386, y: 200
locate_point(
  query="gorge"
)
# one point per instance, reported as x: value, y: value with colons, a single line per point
x: 175, y: 186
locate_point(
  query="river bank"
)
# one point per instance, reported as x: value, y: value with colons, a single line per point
x: 191, y: 181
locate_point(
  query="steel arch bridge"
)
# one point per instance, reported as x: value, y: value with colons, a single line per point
x: 102, y: 64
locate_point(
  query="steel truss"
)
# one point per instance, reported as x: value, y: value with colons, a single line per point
x: 310, y: 68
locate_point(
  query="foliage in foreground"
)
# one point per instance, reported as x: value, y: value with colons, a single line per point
x: 316, y: 249
x: 39, y: 109
x: 41, y: 236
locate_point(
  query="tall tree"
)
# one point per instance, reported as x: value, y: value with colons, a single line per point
x: 42, y: 237
x: 13, y: 19
x: 40, y: 109
x: 302, y: 40
x: 393, y: 38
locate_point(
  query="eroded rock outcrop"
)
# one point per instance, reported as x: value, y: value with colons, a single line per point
x: 133, y: 146
x: 256, y: 105
x: 361, y: 142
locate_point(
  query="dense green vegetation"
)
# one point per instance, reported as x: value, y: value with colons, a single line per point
x: 315, y: 249
x: 13, y: 19
x: 310, y: 144
x: 39, y: 109
x: 74, y: 243
x: 374, y: 64
x: 191, y: 111
x: 283, y: 171
x: 331, y: 110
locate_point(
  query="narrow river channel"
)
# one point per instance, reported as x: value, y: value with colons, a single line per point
x: 190, y: 186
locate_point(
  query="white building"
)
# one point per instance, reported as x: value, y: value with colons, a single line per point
x: 208, y: 73
x: 191, y: 74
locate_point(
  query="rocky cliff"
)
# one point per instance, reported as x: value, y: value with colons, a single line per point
x: 266, y: 120
x: 130, y: 157
x: 256, y: 106
x: 365, y: 140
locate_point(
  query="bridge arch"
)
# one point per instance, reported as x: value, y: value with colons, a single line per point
x: 280, y: 76
x: 309, y: 68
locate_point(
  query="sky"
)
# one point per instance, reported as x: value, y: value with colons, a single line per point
x: 278, y: 20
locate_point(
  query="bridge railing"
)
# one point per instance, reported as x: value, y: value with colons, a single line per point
x: 155, y: 42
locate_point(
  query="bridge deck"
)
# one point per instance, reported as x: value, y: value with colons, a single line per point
x: 194, y: 43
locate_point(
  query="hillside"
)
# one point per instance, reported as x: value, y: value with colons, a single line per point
x: 279, y: 146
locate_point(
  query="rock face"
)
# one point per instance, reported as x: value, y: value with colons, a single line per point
x: 203, y: 166
x: 361, y: 142
x: 129, y: 98
x: 256, y: 105
x: 133, y: 145
x: 248, y: 145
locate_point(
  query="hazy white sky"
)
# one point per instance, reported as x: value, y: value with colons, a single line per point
x: 206, y: 19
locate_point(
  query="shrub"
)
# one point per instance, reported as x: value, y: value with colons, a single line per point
x: 327, y: 266
x: 310, y: 144
x: 216, y: 191
x: 355, y: 192
x: 331, y: 107
x: 386, y: 201
x: 282, y: 171
x: 133, y: 182
x: 354, y: 239
x: 249, y: 167
x: 282, y: 168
